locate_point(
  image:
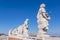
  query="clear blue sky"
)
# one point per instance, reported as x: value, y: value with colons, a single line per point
x: 14, y: 12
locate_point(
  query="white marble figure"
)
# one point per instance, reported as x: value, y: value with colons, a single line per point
x: 20, y: 30
x: 25, y: 25
x: 15, y: 32
x: 9, y: 33
x: 42, y: 20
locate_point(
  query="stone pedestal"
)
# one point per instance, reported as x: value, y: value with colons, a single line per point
x: 14, y: 38
x: 42, y: 20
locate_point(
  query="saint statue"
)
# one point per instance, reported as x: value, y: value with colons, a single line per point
x: 25, y: 25
x: 42, y: 20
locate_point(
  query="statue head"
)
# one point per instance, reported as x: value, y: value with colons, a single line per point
x: 42, y: 5
x: 27, y: 19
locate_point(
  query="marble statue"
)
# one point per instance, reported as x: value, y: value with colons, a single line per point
x: 13, y: 33
x: 9, y: 33
x: 25, y: 25
x: 20, y: 31
x: 42, y: 20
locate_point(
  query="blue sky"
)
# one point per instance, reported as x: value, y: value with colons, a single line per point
x: 14, y: 12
